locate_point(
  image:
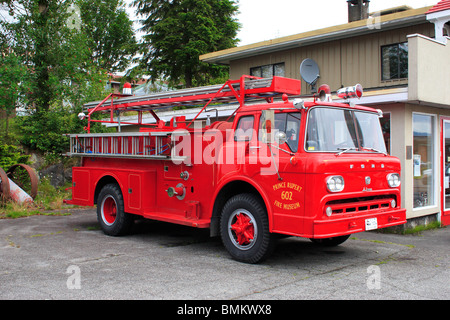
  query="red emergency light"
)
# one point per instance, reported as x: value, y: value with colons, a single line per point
x: 127, y: 90
x: 351, y: 92
x: 324, y: 93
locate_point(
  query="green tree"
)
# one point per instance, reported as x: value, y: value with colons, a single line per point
x: 179, y: 31
x: 60, y: 74
x: 55, y: 55
x: 111, y: 38
x: 69, y: 62
x: 64, y: 46
x: 12, y: 76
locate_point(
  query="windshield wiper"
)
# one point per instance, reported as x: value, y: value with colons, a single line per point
x: 374, y: 150
x: 345, y: 150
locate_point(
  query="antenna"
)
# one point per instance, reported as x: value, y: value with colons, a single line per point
x: 309, y: 70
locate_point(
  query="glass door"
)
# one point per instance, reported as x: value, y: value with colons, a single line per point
x: 424, y: 156
x: 445, y: 137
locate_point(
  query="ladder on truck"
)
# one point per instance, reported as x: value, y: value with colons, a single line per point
x: 146, y: 145
x: 156, y: 142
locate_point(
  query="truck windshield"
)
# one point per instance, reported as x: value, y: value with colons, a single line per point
x: 337, y: 130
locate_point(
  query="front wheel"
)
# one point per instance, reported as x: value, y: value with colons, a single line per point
x: 111, y: 216
x: 244, y: 229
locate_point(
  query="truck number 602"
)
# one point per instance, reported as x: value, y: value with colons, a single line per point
x: 286, y: 195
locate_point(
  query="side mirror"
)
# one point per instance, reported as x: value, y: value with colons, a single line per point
x: 280, y: 137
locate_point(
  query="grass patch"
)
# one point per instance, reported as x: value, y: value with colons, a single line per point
x: 44, y: 235
x: 420, y: 228
x: 411, y: 228
x: 384, y: 242
x: 48, y: 201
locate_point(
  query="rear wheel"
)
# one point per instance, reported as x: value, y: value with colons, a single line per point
x: 111, y: 216
x: 244, y: 229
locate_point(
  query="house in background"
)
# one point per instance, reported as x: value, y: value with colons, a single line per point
x: 115, y: 82
x: 401, y: 56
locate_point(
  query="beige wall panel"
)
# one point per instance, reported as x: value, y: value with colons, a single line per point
x: 342, y: 62
x: 429, y: 71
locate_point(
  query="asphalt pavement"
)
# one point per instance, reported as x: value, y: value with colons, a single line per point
x: 68, y: 257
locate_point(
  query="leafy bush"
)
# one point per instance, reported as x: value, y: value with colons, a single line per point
x: 44, y: 131
x: 11, y: 155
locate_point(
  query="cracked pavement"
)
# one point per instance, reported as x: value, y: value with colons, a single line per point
x: 170, y: 262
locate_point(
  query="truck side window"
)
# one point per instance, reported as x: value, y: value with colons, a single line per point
x: 244, y: 129
x: 292, y: 130
x: 289, y: 123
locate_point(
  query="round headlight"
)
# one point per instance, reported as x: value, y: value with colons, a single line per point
x: 335, y: 184
x: 393, y: 180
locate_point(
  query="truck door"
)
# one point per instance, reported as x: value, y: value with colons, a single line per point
x: 281, y: 168
x: 233, y: 153
x: 277, y: 143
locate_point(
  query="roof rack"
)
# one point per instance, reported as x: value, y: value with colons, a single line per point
x: 247, y: 87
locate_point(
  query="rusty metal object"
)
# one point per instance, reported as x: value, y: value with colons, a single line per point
x: 4, y: 184
x: 32, y: 174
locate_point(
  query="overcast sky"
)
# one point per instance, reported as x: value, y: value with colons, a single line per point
x: 268, y: 19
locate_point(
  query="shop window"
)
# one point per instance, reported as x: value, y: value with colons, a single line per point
x: 268, y: 71
x: 424, y: 160
x: 394, y: 61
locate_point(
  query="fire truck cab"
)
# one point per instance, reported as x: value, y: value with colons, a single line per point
x: 314, y: 169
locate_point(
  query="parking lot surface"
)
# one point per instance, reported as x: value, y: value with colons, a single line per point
x: 69, y: 257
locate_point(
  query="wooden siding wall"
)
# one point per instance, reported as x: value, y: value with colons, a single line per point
x: 342, y: 62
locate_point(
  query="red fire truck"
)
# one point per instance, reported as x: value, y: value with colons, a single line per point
x: 278, y: 165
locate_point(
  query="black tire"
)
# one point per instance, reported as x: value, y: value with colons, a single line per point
x: 331, y: 242
x: 244, y: 229
x: 111, y: 216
